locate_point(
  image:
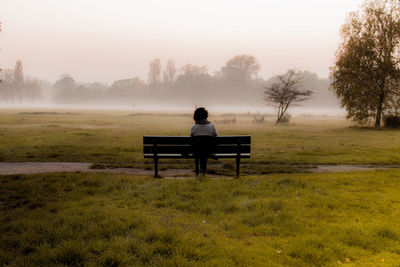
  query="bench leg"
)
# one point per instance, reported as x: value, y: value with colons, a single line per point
x: 156, y: 168
x: 237, y: 167
x: 196, y: 166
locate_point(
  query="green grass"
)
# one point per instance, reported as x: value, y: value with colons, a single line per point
x: 274, y: 220
x: 115, y: 139
x: 286, y: 219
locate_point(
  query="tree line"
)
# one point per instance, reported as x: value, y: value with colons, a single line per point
x: 16, y: 88
x: 191, y: 84
x: 236, y: 84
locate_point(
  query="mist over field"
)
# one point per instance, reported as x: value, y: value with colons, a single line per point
x: 229, y: 90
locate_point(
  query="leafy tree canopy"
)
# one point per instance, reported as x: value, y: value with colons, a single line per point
x: 366, y: 74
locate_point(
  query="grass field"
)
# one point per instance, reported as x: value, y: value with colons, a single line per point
x: 116, y: 138
x: 261, y: 219
x: 273, y: 220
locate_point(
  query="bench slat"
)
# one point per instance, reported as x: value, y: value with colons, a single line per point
x: 181, y: 149
x: 241, y: 139
x: 177, y: 140
x: 180, y: 156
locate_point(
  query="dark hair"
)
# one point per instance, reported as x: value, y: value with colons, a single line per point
x: 200, y: 114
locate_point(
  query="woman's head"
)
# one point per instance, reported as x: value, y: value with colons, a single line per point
x: 200, y: 114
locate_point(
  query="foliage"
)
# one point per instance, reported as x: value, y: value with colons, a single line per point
x: 66, y: 82
x: 122, y: 91
x: 17, y: 88
x: 366, y: 74
x: 241, y: 68
x: 392, y: 120
x: 127, y: 89
x: 193, y: 76
x: 286, y: 92
x: 126, y: 84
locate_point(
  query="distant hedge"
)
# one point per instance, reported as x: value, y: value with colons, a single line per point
x: 392, y: 121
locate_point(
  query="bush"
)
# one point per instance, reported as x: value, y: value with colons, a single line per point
x: 392, y: 121
x: 227, y: 118
x: 258, y: 118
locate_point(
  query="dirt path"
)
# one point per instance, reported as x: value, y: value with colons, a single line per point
x: 351, y: 168
x: 46, y: 167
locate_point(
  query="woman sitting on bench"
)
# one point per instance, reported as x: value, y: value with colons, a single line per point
x: 202, y: 127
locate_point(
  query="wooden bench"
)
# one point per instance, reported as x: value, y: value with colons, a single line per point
x: 173, y: 147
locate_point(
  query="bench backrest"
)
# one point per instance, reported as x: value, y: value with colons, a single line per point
x: 185, y: 146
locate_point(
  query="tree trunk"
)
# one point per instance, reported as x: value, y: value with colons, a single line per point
x: 378, y: 118
x: 379, y: 112
x: 279, y: 117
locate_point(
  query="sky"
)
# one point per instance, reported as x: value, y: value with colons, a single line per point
x: 108, y: 40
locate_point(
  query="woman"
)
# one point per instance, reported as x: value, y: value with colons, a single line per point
x: 203, y: 129
x: 202, y: 126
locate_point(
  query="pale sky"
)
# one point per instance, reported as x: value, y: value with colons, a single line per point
x: 107, y: 40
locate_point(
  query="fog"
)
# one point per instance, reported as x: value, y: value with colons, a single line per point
x: 166, y: 55
x: 236, y: 88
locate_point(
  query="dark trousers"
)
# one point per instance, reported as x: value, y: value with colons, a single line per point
x: 203, y: 164
x: 203, y: 146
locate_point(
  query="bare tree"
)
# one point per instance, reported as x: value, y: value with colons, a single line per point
x: 286, y: 92
x: 169, y: 72
x: 155, y: 72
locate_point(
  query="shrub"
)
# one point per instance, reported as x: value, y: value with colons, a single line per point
x: 227, y: 118
x: 258, y: 118
x: 392, y: 120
